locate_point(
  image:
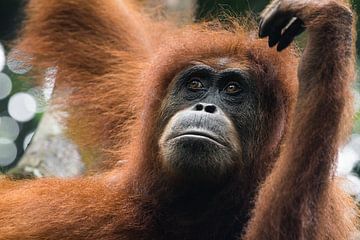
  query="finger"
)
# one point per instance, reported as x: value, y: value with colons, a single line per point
x: 266, y: 16
x: 293, y: 30
x: 274, y: 24
x: 274, y: 38
x: 260, y: 25
x: 270, y: 8
x: 276, y: 29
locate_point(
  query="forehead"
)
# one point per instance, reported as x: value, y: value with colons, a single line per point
x: 223, y: 63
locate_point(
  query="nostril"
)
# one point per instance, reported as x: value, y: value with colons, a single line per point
x: 210, y: 108
x: 199, y: 107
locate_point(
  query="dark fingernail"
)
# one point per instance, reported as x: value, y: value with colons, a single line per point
x: 281, y: 47
x: 274, y: 38
x: 272, y: 42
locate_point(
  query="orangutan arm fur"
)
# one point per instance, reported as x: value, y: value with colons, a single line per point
x: 96, y: 46
x: 295, y: 196
x: 82, y: 209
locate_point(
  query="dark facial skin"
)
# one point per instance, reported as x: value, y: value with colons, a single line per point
x: 208, y: 118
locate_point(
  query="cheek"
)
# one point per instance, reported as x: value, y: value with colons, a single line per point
x: 246, y: 117
x: 169, y: 108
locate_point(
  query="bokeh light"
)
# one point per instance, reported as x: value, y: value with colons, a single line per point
x: 21, y: 104
x: 8, y: 153
x: 22, y: 107
x: 9, y: 130
x: 2, y: 58
x: 347, y: 158
x: 5, y: 85
x: 18, y: 62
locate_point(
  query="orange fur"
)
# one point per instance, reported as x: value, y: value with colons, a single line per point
x: 118, y: 64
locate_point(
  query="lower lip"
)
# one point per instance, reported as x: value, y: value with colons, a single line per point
x: 199, y: 137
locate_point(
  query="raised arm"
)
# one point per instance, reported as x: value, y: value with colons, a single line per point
x: 83, y: 35
x: 95, y: 46
x: 296, y: 198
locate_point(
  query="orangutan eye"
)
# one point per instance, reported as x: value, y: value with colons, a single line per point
x: 195, y: 84
x: 232, y: 88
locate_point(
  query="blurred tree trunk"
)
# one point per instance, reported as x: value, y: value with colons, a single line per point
x: 50, y: 153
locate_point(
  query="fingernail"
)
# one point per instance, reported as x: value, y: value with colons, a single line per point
x: 272, y: 42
